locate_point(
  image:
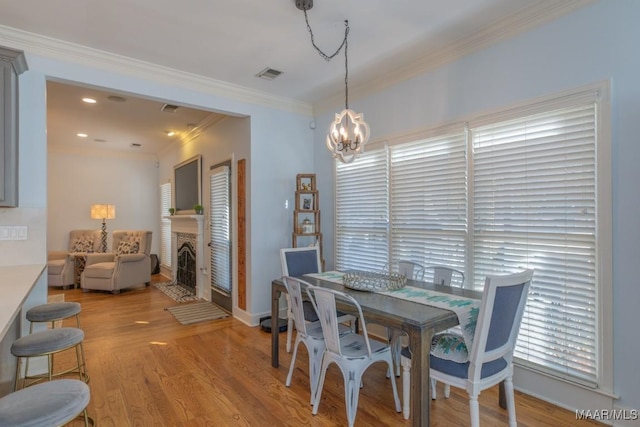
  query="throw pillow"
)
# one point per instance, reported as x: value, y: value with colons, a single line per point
x: 449, y: 346
x: 82, y: 244
x: 127, y: 248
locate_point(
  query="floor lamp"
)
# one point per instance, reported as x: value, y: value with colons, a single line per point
x: 103, y: 212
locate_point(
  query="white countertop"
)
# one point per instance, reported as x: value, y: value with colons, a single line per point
x: 15, y: 284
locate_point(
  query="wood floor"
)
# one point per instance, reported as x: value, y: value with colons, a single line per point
x: 148, y: 370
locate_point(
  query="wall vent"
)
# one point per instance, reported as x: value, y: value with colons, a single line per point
x: 268, y: 74
x: 169, y: 108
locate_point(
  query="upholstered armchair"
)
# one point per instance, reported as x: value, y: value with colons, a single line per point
x: 61, y: 264
x: 128, y: 264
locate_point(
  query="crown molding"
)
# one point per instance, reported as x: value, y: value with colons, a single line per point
x: 535, y: 14
x: 106, y: 61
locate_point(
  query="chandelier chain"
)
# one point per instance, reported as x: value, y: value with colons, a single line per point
x: 330, y: 57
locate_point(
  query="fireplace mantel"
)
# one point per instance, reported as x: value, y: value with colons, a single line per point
x: 191, y: 224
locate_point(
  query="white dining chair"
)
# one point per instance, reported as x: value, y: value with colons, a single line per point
x: 444, y: 276
x: 414, y: 271
x: 352, y: 353
x: 308, y: 333
x: 490, y: 359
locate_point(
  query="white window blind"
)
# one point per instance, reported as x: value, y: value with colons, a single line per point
x: 534, y: 201
x: 220, y: 229
x: 429, y: 201
x: 165, y: 225
x: 527, y: 197
x: 362, y: 212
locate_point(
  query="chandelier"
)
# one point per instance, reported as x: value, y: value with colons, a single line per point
x: 348, y: 132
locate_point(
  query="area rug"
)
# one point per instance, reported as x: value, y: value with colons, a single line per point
x: 196, y: 312
x: 175, y: 292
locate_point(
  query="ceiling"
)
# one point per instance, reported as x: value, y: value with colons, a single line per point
x: 231, y: 41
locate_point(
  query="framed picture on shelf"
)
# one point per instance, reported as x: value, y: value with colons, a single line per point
x: 306, y: 204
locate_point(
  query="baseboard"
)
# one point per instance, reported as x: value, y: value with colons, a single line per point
x: 566, y: 395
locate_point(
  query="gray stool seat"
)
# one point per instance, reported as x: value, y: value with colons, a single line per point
x: 45, y: 342
x: 53, y: 311
x: 48, y: 404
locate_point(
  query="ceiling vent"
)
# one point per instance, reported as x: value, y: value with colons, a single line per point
x: 268, y: 74
x: 135, y: 145
x: 169, y: 108
x: 116, y: 98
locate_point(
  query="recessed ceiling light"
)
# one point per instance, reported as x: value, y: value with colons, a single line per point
x: 89, y: 100
x: 83, y: 135
x: 170, y: 133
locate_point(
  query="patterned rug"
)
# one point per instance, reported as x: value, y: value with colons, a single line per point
x: 195, y: 312
x: 175, y: 292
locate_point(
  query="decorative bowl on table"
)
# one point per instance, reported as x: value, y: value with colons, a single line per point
x: 374, y: 281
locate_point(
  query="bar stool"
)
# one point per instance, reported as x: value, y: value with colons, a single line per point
x: 47, y: 343
x: 49, y: 404
x: 53, y: 312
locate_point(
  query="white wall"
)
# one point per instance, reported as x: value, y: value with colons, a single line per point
x: 79, y: 179
x: 596, y: 43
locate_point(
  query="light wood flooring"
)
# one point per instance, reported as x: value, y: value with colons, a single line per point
x: 148, y: 370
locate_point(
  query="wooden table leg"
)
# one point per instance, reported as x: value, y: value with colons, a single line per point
x: 419, y: 344
x: 275, y: 299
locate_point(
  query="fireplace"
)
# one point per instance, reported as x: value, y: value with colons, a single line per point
x: 186, y: 269
x: 187, y: 246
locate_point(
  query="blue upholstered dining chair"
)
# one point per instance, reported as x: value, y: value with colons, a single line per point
x: 352, y: 353
x: 295, y: 263
x: 490, y: 359
x: 308, y: 333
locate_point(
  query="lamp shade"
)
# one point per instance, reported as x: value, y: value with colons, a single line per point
x: 103, y: 211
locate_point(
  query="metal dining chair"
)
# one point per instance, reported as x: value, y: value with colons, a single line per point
x: 490, y: 359
x: 308, y: 333
x: 414, y: 271
x: 443, y: 275
x: 352, y: 353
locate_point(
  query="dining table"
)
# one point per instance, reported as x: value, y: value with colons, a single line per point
x: 418, y: 320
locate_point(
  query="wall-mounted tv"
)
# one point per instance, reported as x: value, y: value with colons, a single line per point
x: 187, y: 181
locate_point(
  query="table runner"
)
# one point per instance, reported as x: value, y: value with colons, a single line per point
x: 445, y: 345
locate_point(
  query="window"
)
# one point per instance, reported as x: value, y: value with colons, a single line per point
x: 504, y: 192
x: 220, y: 228
x: 165, y: 225
x: 362, y: 212
x: 429, y: 200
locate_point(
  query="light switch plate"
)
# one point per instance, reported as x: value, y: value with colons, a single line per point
x: 13, y: 232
